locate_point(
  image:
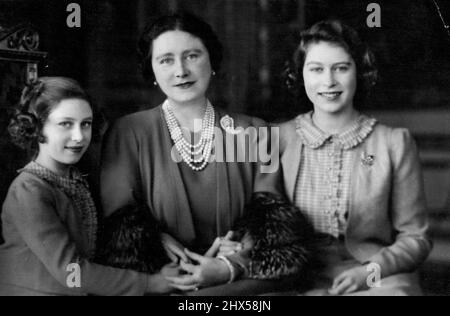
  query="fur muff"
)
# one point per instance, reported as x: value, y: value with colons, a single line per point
x: 281, y: 237
x: 131, y: 239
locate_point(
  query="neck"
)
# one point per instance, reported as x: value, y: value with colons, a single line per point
x: 187, y: 112
x: 334, y: 123
x: 58, y: 168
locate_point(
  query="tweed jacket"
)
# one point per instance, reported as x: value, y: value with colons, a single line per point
x: 387, y: 221
x: 40, y: 227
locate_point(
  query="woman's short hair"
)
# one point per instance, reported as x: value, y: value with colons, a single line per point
x: 181, y: 21
x: 38, y: 100
x: 336, y: 32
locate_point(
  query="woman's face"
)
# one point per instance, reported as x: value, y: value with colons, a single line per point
x: 182, y: 66
x: 67, y: 132
x: 330, y: 77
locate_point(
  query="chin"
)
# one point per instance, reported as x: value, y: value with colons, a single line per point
x: 332, y: 108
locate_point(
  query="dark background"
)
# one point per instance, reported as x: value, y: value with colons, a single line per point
x: 412, y: 48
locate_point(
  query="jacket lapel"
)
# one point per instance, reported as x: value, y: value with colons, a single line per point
x: 180, y: 218
x: 290, y: 160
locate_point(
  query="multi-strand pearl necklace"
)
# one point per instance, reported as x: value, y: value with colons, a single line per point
x: 188, y: 151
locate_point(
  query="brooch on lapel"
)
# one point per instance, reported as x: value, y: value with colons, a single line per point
x: 367, y: 160
x: 227, y: 124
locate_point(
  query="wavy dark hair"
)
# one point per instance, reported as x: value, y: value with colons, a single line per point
x: 181, y: 21
x: 38, y: 100
x: 338, y: 33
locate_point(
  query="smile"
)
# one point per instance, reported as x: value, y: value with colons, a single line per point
x: 185, y: 85
x: 331, y: 95
x: 75, y: 150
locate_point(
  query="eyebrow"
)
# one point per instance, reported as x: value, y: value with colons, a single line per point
x: 193, y: 50
x: 348, y: 63
x: 73, y: 119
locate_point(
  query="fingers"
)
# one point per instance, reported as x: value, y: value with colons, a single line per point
x: 218, y: 243
x: 229, y: 235
x: 186, y: 280
x: 212, y: 252
x: 351, y: 289
x: 173, y: 258
x: 187, y: 267
x: 342, y: 287
x: 228, y: 246
x: 195, y: 257
x: 184, y: 288
x: 179, y: 253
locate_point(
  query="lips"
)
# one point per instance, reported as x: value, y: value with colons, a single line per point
x: 185, y: 85
x: 75, y: 149
x: 332, y: 95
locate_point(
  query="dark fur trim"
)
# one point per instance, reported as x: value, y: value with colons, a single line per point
x: 281, y: 237
x: 131, y: 240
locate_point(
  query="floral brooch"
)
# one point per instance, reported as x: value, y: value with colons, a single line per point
x: 227, y: 123
x: 367, y: 160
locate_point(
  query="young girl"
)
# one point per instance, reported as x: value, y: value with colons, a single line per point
x: 359, y: 182
x: 49, y: 218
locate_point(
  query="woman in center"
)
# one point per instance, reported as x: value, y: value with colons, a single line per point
x: 162, y: 157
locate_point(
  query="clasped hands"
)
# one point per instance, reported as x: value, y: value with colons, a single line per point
x: 190, y: 271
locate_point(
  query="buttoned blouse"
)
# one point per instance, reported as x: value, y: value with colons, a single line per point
x: 322, y: 189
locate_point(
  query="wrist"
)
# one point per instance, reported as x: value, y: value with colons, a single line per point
x: 232, y: 273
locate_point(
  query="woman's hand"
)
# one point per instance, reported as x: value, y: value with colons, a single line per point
x: 217, y: 244
x: 171, y: 270
x: 173, y: 248
x: 350, y: 281
x: 208, y: 272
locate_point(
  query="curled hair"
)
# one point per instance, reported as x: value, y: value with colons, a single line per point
x: 338, y: 33
x: 38, y: 99
x: 181, y: 21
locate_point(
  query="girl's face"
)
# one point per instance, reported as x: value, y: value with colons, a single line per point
x: 182, y: 66
x: 68, y: 132
x: 330, y: 78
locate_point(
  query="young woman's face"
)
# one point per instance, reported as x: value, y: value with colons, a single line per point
x: 182, y: 66
x: 68, y: 133
x: 330, y: 77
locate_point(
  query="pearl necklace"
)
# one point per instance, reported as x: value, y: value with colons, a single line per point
x: 184, y: 147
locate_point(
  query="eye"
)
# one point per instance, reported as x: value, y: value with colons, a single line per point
x: 342, y: 68
x: 166, y: 61
x: 66, y: 124
x: 192, y: 57
x: 316, y: 69
x: 86, y: 125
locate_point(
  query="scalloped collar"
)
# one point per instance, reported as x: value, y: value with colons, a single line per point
x: 314, y: 137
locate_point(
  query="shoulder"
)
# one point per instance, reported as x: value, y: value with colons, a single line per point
x: 392, y: 136
x: 139, y: 120
x: 26, y: 188
x: 136, y: 123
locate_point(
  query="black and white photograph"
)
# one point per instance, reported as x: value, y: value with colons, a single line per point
x: 224, y: 148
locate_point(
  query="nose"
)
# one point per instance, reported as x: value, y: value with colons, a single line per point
x: 77, y: 134
x: 181, y: 71
x: 329, y: 78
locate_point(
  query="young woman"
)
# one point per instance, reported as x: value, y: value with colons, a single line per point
x: 195, y: 199
x: 49, y: 218
x: 359, y: 182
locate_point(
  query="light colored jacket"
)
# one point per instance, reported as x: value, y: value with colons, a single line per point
x: 387, y: 221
